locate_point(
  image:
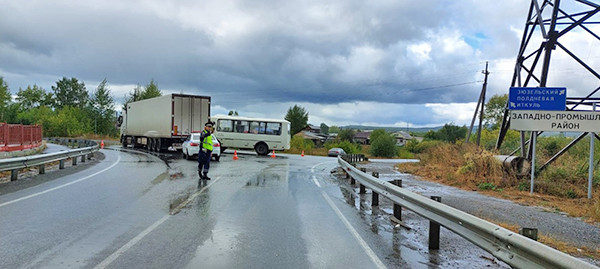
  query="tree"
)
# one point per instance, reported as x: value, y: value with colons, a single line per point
x: 298, y: 117
x: 70, y: 92
x: 32, y: 97
x: 494, y: 111
x: 5, y: 99
x: 450, y: 133
x: 377, y: 133
x: 324, y: 128
x: 233, y: 113
x: 346, y: 135
x: 103, y: 109
x: 334, y: 129
x: 133, y: 96
x: 138, y: 93
x: 151, y: 91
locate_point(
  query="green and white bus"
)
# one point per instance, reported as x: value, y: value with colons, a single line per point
x: 262, y: 135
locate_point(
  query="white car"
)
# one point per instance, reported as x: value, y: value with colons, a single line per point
x: 191, y: 146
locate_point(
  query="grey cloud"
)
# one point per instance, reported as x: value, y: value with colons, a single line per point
x: 289, y: 59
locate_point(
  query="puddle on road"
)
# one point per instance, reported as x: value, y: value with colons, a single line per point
x: 262, y: 180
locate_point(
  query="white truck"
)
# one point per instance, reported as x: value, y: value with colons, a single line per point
x: 163, y: 122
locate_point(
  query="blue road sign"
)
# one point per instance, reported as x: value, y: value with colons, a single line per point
x: 537, y: 99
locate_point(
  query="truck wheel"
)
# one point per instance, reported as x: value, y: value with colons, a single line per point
x: 124, y: 141
x: 150, y: 145
x: 158, y: 145
x: 261, y: 149
x: 134, y: 142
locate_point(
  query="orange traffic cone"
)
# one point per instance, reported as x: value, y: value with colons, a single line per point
x: 303, y: 153
x: 235, y: 157
x: 273, y: 156
x: 102, y: 144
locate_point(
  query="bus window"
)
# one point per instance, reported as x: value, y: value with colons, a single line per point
x: 241, y: 126
x: 254, y: 127
x: 225, y: 126
x: 262, y: 128
x: 273, y: 128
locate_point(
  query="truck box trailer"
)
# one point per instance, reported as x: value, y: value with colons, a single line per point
x: 163, y: 122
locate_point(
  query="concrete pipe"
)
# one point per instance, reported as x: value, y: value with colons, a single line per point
x: 516, y: 165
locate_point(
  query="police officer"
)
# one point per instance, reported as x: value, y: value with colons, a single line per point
x: 205, y: 153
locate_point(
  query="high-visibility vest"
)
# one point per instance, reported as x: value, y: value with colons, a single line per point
x: 207, y: 143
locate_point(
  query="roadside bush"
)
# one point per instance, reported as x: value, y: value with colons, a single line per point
x: 523, y: 186
x: 404, y: 154
x: 300, y: 143
x: 415, y: 146
x: 346, y: 145
x: 511, y: 141
x: 550, y: 145
x: 482, y: 165
x: 384, y: 145
x: 487, y: 186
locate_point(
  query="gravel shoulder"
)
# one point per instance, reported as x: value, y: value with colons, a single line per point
x: 553, y: 224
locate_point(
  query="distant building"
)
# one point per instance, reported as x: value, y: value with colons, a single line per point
x: 362, y: 138
x: 401, y: 137
x: 317, y: 138
x: 312, y: 129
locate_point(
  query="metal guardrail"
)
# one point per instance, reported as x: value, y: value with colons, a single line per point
x: 40, y: 160
x: 512, y: 248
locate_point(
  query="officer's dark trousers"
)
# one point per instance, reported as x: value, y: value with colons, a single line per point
x: 204, y: 161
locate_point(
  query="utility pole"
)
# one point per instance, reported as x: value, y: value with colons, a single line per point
x: 480, y: 103
x: 486, y: 73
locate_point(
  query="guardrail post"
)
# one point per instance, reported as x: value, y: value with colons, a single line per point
x: 82, y: 158
x: 434, y: 229
x: 398, y: 208
x: 352, y: 180
x: 375, y: 200
x: 531, y: 233
x: 74, y: 160
x: 14, y: 175
x: 362, y: 187
x: 61, y: 164
x: 42, y: 169
x: 89, y: 156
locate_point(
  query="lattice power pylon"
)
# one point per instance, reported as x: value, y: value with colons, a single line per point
x: 549, y: 22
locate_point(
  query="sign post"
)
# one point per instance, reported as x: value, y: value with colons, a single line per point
x: 591, y: 168
x: 533, y: 140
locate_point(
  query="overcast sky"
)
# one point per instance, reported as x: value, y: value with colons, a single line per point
x: 386, y: 63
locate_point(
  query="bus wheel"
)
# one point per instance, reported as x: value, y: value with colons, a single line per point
x: 261, y: 149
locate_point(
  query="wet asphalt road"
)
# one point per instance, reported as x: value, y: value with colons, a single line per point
x: 136, y: 210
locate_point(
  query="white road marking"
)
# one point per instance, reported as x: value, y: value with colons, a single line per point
x: 316, y: 182
x: 130, y: 244
x: 106, y: 262
x: 353, y: 231
x: 62, y: 186
x: 357, y: 236
x: 312, y: 169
